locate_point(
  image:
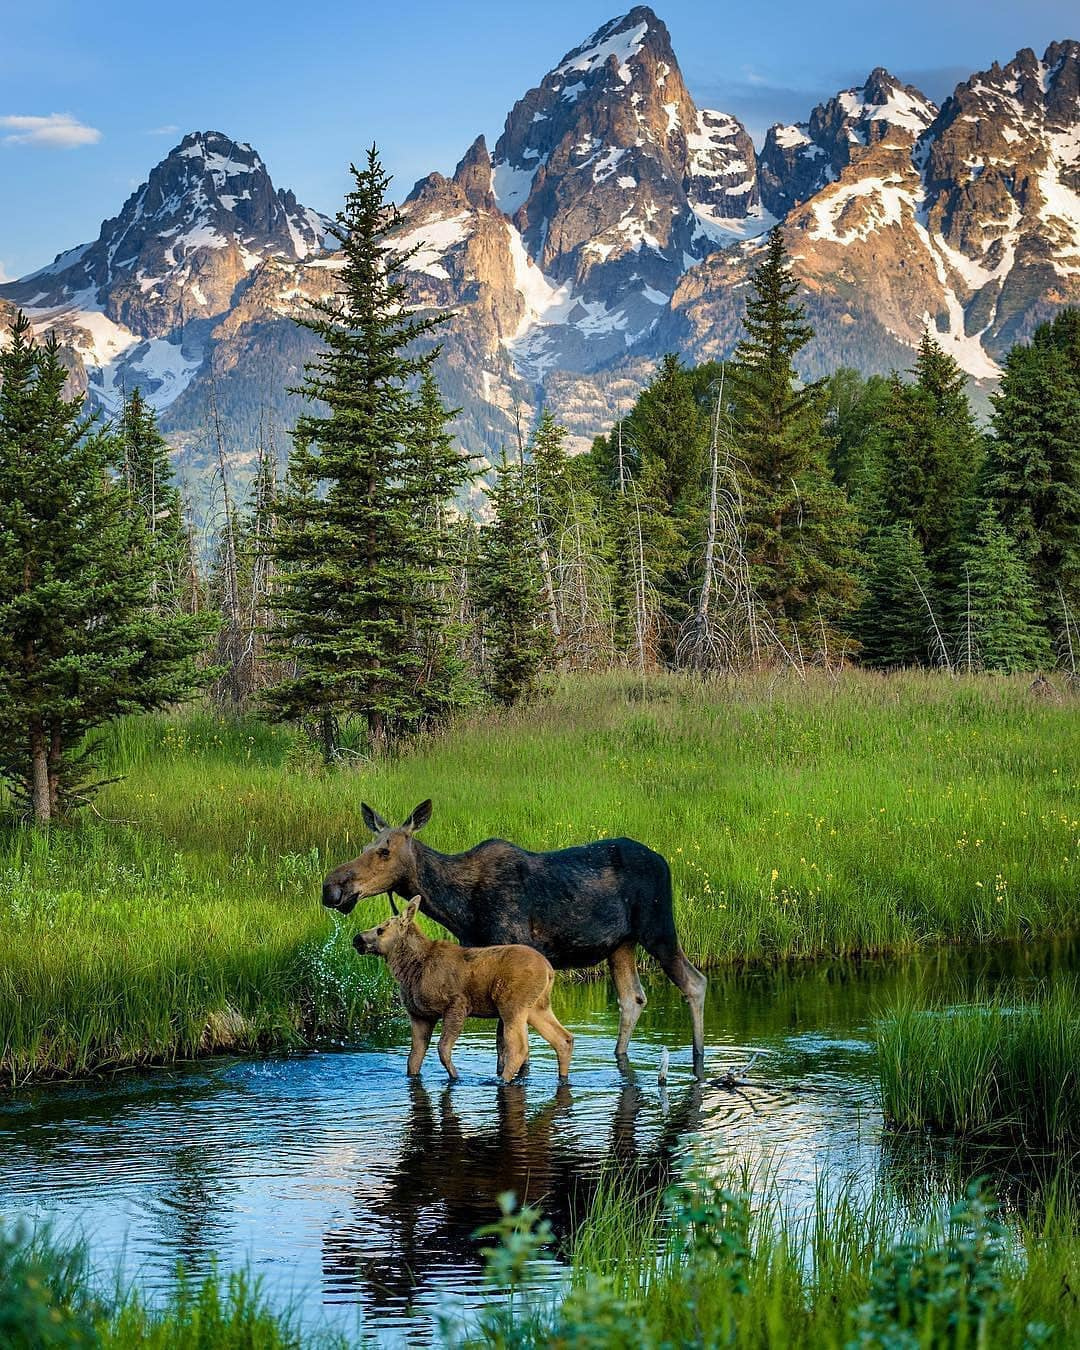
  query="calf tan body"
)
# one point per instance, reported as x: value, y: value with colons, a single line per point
x: 441, y: 981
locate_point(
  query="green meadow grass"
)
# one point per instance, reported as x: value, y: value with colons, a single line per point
x: 1006, y: 1069
x: 801, y: 820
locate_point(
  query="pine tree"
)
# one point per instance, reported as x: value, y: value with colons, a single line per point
x: 894, y: 624
x: 438, y: 473
x: 801, y: 529
x: 148, y: 475
x: 1032, y: 473
x: 350, y: 543
x: 510, y: 589
x: 938, y: 470
x: 1001, y: 628
x: 81, y: 639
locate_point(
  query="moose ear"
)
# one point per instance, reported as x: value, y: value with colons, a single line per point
x: 411, y: 910
x: 372, y: 819
x: 419, y: 817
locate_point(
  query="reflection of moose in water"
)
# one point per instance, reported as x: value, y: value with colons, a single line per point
x: 421, y: 1221
x: 578, y: 905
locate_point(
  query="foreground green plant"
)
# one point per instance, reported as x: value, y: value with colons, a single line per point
x: 708, y: 1272
x: 48, y: 1302
x: 801, y: 820
x: 1006, y: 1069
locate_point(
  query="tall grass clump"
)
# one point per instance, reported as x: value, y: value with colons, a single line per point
x: 709, y: 1270
x: 49, y: 1301
x: 1007, y: 1069
x: 802, y: 819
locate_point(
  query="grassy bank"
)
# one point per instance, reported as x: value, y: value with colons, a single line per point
x: 48, y: 1302
x: 800, y: 820
x: 1004, y: 1070
x: 717, y: 1273
x: 700, y: 1269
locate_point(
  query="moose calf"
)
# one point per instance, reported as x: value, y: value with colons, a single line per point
x: 442, y: 980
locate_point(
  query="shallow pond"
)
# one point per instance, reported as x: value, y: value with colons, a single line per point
x: 355, y: 1194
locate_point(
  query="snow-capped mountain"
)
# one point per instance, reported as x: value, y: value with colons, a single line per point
x: 612, y: 221
x: 138, y: 305
x: 902, y: 218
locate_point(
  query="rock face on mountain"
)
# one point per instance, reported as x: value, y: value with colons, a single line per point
x: 612, y: 221
x: 902, y: 218
x: 799, y: 160
x: 143, y: 304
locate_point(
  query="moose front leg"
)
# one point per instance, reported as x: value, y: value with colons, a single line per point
x: 453, y: 1023
x: 421, y: 1039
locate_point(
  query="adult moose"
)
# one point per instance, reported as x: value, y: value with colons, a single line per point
x: 577, y: 906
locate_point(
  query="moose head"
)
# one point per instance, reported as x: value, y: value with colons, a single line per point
x: 387, y: 865
x: 384, y: 937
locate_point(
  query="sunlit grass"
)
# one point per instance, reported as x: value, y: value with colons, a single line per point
x: 801, y: 820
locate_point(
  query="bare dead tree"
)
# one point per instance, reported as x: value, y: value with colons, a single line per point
x: 727, y: 630
x: 939, y: 644
x: 230, y: 645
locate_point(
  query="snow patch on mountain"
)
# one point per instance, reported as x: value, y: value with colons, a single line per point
x: 605, y: 43
x: 432, y: 241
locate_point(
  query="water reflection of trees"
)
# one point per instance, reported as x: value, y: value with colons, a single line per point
x: 418, y: 1221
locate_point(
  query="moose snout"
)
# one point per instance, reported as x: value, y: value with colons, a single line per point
x: 331, y: 893
x: 363, y: 945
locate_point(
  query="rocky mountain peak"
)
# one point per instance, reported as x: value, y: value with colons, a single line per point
x: 473, y: 175
x: 134, y: 304
x: 797, y: 161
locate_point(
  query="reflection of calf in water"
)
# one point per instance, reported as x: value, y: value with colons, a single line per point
x: 420, y: 1220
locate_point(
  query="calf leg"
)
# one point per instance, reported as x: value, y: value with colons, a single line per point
x: 517, y: 1046
x: 556, y: 1035
x: 623, y: 965
x: 452, y: 1025
x: 693, y: 984
x: 421, y: 1039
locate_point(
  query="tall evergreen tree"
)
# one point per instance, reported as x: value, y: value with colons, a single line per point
x: 1001, y: 626
x: 437, y: 474
x: 350, y: 543
x: 81, y: 641
x: 895, y: 624
x: 801, y: 529
x: 1032, y: 474
x: 143, y: 461
x: 510, y: 589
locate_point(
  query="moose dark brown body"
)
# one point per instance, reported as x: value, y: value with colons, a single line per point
x: 577, y: 906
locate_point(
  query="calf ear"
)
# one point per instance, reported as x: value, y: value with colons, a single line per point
x: 372, y: 819
x: 412, y: 909
x: 419, y: 817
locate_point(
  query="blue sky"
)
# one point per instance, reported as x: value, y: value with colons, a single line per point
x: 92, y: 95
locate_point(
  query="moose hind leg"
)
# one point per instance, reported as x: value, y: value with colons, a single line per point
x: 693, y: 984
x: 556, y: 1035
x: 500, y: 1046
x: 452, y: 1027
x: 623, y: 965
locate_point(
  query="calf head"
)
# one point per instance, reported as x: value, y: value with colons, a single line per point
x: 384, y: 937
x: 388, y: 864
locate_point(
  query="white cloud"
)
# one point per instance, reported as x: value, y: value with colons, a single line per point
x: 169, y: 129
x: 4, y: 275
x: 58, y: 131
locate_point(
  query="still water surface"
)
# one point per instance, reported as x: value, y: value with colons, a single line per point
x: 356, y: 1194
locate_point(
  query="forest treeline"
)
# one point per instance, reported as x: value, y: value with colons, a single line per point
x: 737, y: 518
